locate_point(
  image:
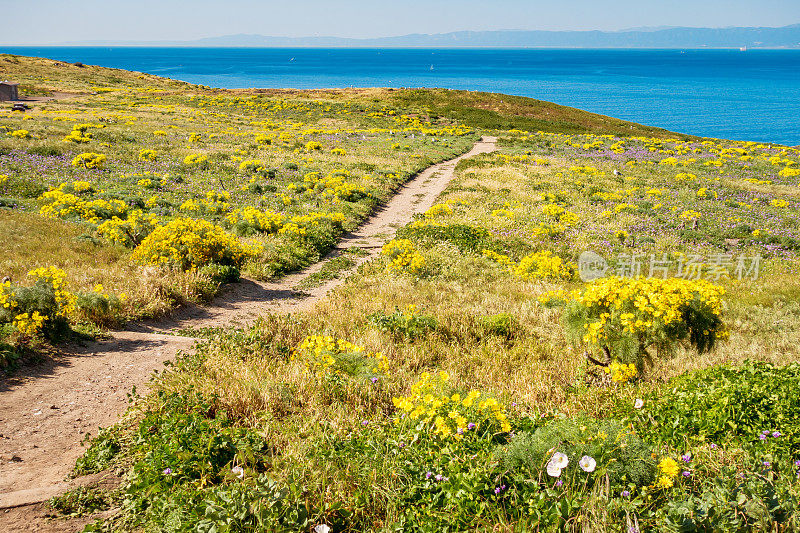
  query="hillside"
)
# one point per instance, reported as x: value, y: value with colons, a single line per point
x: 405, y: 310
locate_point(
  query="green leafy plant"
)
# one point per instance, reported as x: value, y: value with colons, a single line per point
x: 408, y: 324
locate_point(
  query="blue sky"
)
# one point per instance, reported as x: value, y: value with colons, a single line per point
x: 52, y: 21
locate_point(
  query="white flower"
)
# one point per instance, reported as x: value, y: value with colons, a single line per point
x: 557, y: 463
x: 238, y: 471
x: 587, y: 464
x: 552, y: 470
x: 559, y: 460
x: 638, y: 404
x: 322, y: 528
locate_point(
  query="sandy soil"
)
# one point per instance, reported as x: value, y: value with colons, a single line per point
x: 47, y: 410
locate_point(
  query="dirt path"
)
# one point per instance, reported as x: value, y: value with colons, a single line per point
x: 45, y: 413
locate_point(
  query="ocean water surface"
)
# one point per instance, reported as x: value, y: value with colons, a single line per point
x: 745, y: 95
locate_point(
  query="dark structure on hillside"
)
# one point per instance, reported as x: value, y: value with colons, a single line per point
x: 8, y: 90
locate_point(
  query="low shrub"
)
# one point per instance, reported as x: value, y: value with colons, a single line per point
x: 407, y: 324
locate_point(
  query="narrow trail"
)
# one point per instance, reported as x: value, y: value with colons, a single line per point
x: 45, y: 413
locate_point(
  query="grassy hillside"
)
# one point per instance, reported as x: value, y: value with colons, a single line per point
x: 472, y: 378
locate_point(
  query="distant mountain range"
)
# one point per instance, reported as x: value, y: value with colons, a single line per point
x: 662, y: 37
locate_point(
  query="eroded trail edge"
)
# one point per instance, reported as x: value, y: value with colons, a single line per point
x: 46, y: 413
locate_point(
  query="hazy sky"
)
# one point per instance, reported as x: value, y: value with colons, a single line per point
x: 53, y: 21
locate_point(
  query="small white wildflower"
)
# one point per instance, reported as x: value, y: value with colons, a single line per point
x: 638, y: 403
x: 238, y: 471
x: 322, y: 528
x: 587, y: 463
x: 552, y: 470
x: 557, y: 463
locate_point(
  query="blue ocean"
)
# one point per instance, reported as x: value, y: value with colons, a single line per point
x: 749, y: 95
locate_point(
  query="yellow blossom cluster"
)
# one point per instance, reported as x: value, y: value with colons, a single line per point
x: 324, y: 353
x: 188, y: 243
x: 404, y: 258
x: 89, y: 160
x: 620, y: 372
x: 446, y: 414
x: 642, y: 305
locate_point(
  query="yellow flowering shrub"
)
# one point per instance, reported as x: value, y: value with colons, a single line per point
x: 620, y: 372
x: 20, y: 134
x: 147, y: 155
x: 438, y: 210
x: 128, y: 231
x: 433, y: 406
x: 626, y: 317
x: 249, y: 219
x: 403, y: 256
x: 543, y: 265
x: 195, y: 160
x: 323, y: 353
x: 187, y: 243
x: 89, y: 160
x: 29, y: 324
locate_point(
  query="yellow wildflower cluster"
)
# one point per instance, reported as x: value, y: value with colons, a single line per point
x: 21, y: 134
x: 261, y: 221
x: 54, y: 276
x: 29, y: 324
x: 252, y: 166
x: 689, y: 215
x: 66, y: 205
x: 438, y: 210
x: 6, y: 296
x: 214, y: 203
x: 147, y: 155
x: 668, y: 469
x: 403, y: 256
x: 641, y: 305
x: 187, y: 243
x: 130, y: 230
x: 446, y: 413
x: 89, y: 160
x: 194, y: 160
x: 543, y: 265
x: 620, y: 372
x: 324, y: 353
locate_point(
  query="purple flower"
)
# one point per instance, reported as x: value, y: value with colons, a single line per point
x: 776, y: 434
x: 763, y: 436
x: 428, y: 475
x: 374, y: 380
x: 471, y: 426
x: 686, y: 473
x: 167, y: 471
x: 438, y: 477
x: 713, y: 446
x: 499, y: 489
x: 626, y: 494
x: 559, y: 482
x: 401, y: 445
x: 687, y: 457
x: 460, y: 431
x: 766, y: 464
x: 797, y: 463
x: 364, y: 422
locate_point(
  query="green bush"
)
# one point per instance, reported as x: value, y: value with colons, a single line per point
x: 619, y: 453
x: 730, y: 405
x: 502, y: 325
x: 408, y: 324
x: 463, y: 236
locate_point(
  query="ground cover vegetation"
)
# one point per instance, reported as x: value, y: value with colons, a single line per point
x: 472, y: 377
